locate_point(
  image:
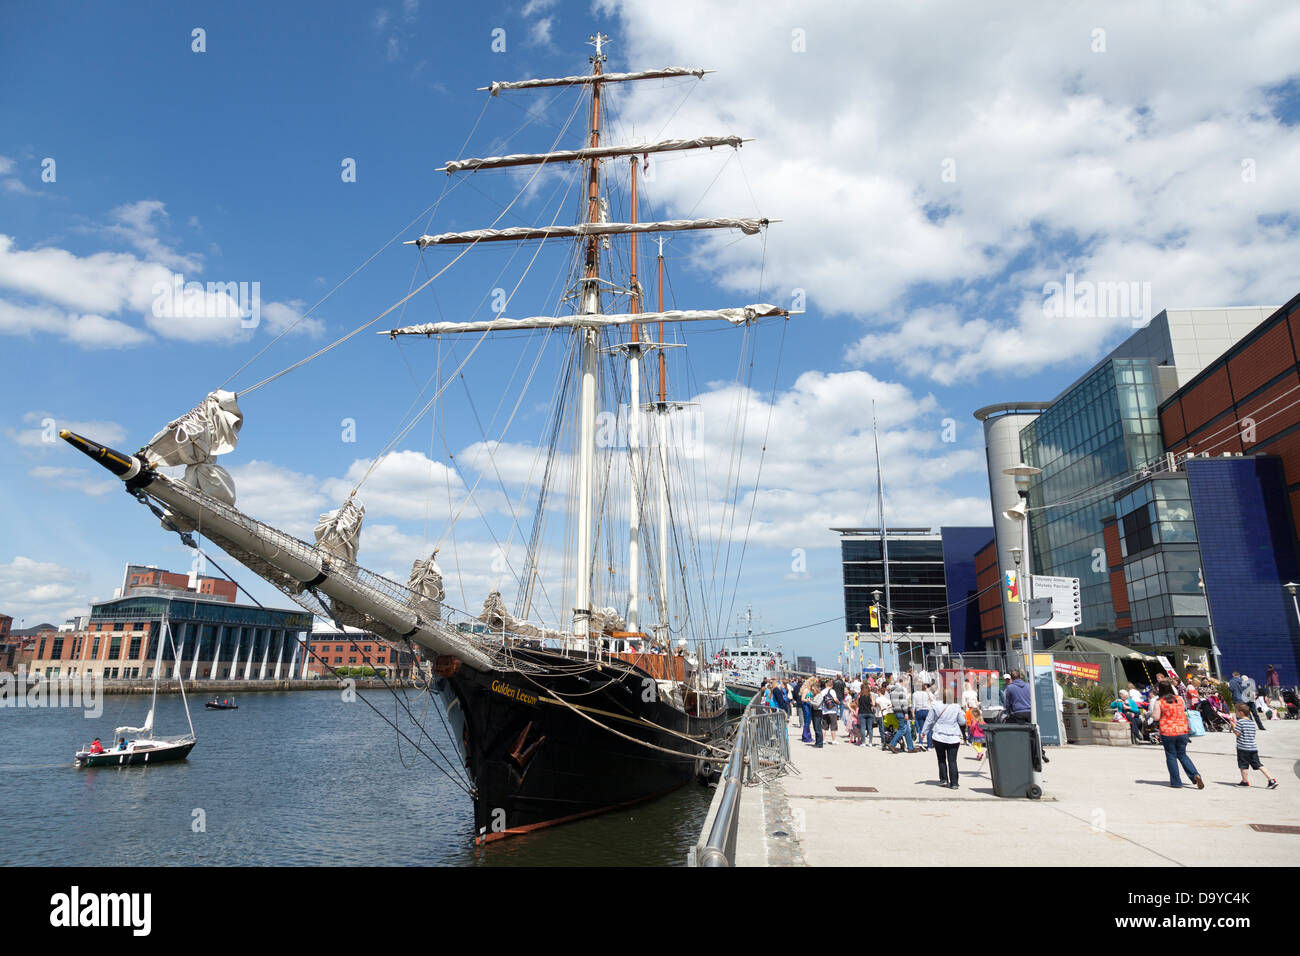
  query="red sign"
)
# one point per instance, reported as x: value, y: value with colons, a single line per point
x: 1076, y: 669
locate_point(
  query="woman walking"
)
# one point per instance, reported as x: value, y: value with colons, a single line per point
x: 1168, y: 711
x: 806, y: 694
x: 943, y: 726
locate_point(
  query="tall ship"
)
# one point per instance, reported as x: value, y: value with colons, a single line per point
x: 598, y: 706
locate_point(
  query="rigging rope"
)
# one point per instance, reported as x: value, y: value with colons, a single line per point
x: 188, y: 540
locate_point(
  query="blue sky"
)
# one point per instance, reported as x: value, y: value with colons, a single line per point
x: 934, y: 168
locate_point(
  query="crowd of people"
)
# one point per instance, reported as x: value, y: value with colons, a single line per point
x: 905, y: 712
x: 897, y: 712
x: 1205, y: 699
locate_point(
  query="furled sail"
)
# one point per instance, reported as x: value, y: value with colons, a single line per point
x: 599, y: 152
x: 666, y: 72
x: 209, y: 429
x: 749, y: 227
x: 145, y: 731
x: 195, y: 440
x: 498, y: 617
x: 338, y: 532
x: 591, y: 320
x: 426, y: 582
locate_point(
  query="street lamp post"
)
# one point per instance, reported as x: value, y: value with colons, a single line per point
x: 1209, y: 619
x: 1023, y: 474
x: 1291, y: 586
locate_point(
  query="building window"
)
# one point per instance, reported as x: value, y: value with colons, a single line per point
x: 135, y: 648
x: 94, y: 648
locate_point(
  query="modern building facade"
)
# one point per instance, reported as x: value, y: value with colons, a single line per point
x: 1103, y: 428
x: 932, y: 592
x: 1247, y: 549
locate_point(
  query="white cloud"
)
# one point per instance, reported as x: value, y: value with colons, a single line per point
x: 10, y: 182
x: 286, y: 499
x: 288, y: 316
x: 75, y: 479
x: 1117, y: 165
x: 137, y: 223
x: 76, y: 296
x: 409, y: 485
x: 37, y: 592
x: 43, y: 430
x: 539, y: 34
x: 536, y: 6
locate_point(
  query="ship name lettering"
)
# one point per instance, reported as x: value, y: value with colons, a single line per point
x: 514, y: 693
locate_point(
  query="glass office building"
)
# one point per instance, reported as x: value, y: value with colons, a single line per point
x: 1103, y: 428
x: 932, y: 588
x: 1162, y: 563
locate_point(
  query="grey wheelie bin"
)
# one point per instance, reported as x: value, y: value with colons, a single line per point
x: 1015, y: 760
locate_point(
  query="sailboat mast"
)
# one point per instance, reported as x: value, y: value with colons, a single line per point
x: 587, y: 405
x: 661, y: 629
x: 634, y: 435
x: 884, y: 541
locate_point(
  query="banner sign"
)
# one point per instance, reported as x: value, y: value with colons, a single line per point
x: 1077, y: 669
x: 1169, y: 668
x: 1013, y: 587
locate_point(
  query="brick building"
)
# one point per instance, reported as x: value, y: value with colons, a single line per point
x: 354, y: 648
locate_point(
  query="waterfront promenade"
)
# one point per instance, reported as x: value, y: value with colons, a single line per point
x: 1102, y: 806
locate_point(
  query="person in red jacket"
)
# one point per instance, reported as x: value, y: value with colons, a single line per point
x: 96, y: 747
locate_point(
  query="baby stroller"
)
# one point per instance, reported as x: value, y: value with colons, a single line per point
x: 1292, y: 701
x: 1213, y: 721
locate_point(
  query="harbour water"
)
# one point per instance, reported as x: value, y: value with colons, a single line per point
x: 288, y: 779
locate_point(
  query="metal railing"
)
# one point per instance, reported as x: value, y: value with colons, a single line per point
x: 761, y: 751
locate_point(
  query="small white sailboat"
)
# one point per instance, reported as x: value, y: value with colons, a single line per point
x: 140, y: 745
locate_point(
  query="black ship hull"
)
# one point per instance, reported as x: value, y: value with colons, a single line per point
x: 609, y: 741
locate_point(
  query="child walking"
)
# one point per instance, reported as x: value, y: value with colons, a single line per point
x: 975, y: 721
x: 1247, y: 749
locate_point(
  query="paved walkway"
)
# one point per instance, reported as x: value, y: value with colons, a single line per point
x: 1102, y: 806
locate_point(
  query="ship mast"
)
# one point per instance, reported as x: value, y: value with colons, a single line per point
x: 661, y: 628
x: 587, y: 408
x: 589, y: 318
x: 634, y: 435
